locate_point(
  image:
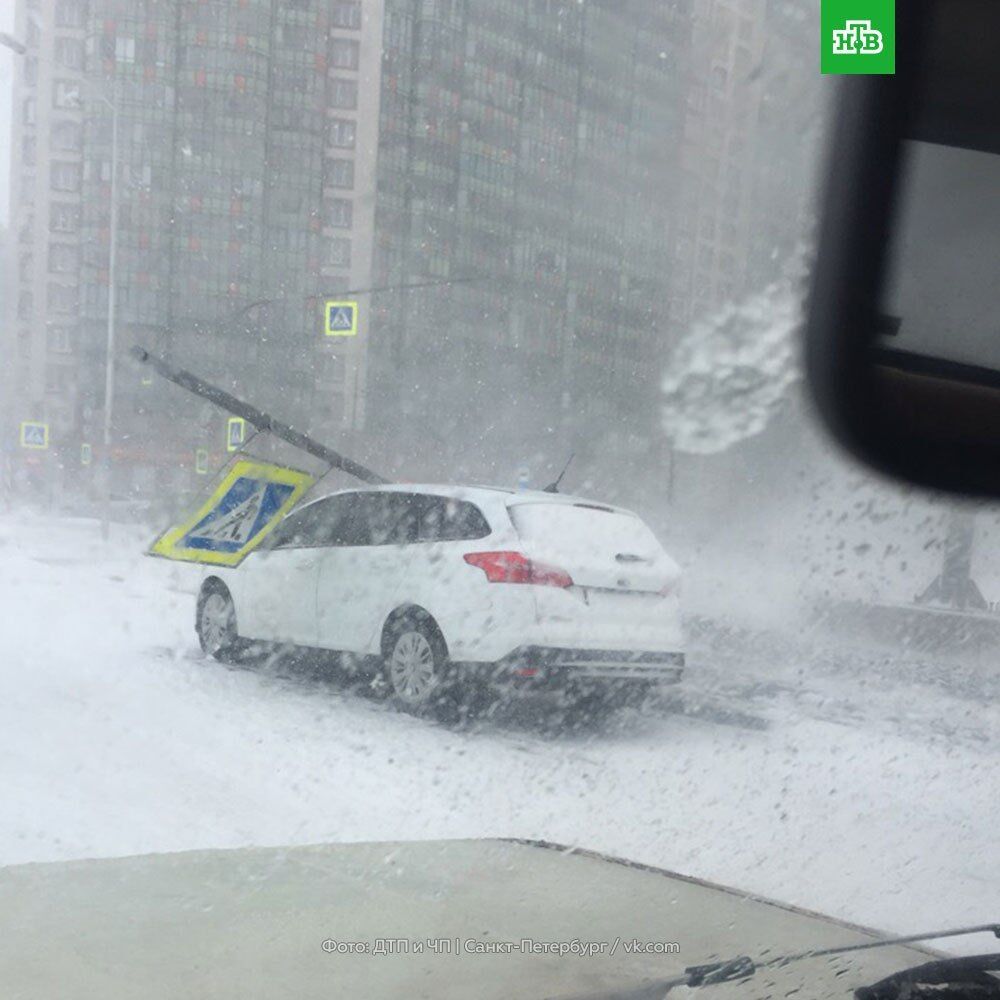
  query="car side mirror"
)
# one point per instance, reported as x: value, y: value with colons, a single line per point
x: 903, y: 333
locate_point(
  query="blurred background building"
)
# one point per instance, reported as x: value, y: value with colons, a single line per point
x: 545, y: 193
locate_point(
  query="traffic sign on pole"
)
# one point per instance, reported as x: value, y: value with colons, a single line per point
x: 34, y: 435
x: 201, y: 461
x: 341, y: 318
x: 85, y: 453
x: 236, y: 433
x: 245, y: 506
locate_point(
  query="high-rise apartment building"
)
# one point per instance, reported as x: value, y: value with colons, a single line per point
x: 750, y: 136
x: 533, y: 146
x: 272, y: 154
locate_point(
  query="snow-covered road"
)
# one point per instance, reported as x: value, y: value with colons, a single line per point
x: 860, y: 794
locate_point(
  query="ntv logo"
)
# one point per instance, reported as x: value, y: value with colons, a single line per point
x: 857, y: 38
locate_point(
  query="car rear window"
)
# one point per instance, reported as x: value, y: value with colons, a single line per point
x: 577, y: 527
x: 445, y: 519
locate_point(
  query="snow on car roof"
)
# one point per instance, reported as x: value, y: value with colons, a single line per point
x: 469, y: 492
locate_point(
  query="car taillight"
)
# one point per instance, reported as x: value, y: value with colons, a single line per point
x: 515, y: 567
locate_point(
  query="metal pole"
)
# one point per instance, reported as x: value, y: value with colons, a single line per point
x: 258, y: 418
x: 109, y: 370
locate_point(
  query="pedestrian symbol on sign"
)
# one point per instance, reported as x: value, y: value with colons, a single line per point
x: 247, y: 504
x: 201, y: 461
x: 236, y: 431
x: 341, y: 319
x: 34, y: 435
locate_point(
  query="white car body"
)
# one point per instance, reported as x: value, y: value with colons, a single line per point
x: 606, y: 603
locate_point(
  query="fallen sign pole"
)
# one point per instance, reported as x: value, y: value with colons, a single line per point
x: 258, y: 418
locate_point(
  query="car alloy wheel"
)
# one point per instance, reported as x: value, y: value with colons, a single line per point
x: 218, y: 623
x: 412, y: 669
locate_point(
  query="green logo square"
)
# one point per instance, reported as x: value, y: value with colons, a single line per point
x: 858, y: 36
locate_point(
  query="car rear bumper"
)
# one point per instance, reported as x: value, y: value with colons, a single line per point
x: 554, y: 666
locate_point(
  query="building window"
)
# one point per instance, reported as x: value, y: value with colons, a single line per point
x: 70, y: 13
x: 63, y: 298
x: 66, y: 94
x: 69, y: 53
x: 28, y: 150
x: 339, y: 253
x: 125, y: 50
x: 342, y: 133
x: 63, y: 258
x: 65, y: 176
x: 64, y: 218
x: 56, y: 378
x: 295, y: 36
x: 339, y: 213
x: 25, y: 265
x: 346, y: 14
x: 58, y: 338
x: 344, y: 53
x: 67, y: 137
x: 340, y: 173
x: 25, y: 305
x: 344, y: 94
x: 30, y: 111
x: 30, y: 70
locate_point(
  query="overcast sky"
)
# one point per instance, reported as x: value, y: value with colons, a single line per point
x: 6, y: 96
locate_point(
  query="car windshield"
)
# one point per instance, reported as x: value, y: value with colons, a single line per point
x: 403, y: 439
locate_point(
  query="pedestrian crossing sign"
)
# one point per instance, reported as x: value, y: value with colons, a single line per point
x: 85, y: 453
x: 249, y: 501
x: 34, y: 435
x: 201, y: 461
x: 341, y: 318
x: 236, y: 432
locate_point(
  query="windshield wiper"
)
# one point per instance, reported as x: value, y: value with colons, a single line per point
x: 742, y: 966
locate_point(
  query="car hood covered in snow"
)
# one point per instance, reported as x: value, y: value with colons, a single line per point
x: 485, y: 918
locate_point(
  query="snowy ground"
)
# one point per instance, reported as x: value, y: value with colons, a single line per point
x: 843, y: 779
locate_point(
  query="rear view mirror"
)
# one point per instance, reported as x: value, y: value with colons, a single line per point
x: 903, y: 333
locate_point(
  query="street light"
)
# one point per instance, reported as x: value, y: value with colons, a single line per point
x: 109, y: 365
x: 109, y: 359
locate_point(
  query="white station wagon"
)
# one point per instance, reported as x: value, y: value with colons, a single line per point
x: 440, y: 586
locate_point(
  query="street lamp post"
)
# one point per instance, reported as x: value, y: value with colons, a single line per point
x: 109, y: 364
x: 18, y: 48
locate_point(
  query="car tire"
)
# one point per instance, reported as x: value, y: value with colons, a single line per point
x: 215, y: 623
x: 415, y: 663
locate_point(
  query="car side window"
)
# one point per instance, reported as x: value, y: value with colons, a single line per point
x: 444, y: 519
x: 388, y: 518
x: 370, y: 519
x: 299, y: 529
x: 344, y: 521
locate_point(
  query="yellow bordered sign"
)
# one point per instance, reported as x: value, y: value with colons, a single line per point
x: 236, y: 433
x: 34, y: 435
x: 249, y: 501
x: 340, y: 318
